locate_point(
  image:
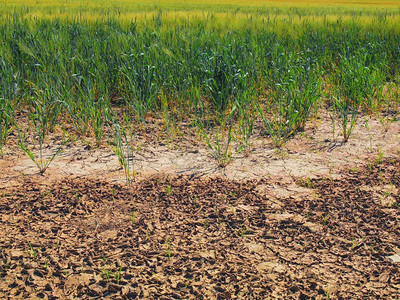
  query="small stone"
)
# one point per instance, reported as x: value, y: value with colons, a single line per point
x: 394, y: 258
x: 17, y: 254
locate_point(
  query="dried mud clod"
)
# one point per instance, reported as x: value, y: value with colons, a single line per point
x: 202, y: 238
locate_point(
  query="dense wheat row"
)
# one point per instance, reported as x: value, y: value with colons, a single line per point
x: 233, y: 71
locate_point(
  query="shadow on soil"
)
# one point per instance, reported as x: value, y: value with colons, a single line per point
x: 202, y: 238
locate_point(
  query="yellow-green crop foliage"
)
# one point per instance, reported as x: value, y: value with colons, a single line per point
x: 128, y: 10
x: 221, y: 15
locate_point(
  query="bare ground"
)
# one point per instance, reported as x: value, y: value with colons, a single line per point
x: 318, y: 219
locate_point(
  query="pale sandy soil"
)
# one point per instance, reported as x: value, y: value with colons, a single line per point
x: 312, y: 153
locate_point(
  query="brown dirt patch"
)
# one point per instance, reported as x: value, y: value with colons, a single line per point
x: 197, y: 237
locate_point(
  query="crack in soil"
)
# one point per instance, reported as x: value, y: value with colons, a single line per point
x: 173, y: 237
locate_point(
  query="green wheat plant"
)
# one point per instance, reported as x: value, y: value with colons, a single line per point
x: 43, y: 114
x: 294, y: 89
x: 247, y: 116
x: 348, y: 114
x: 40, y: 161
x: 9, y: 98
x: 6, y: 122
x: 356, y: 85
x: 124, y: 151
x: 220, y: 142
x: 192, y: 69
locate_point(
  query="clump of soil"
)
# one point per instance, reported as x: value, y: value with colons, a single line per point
x: 173, y: 237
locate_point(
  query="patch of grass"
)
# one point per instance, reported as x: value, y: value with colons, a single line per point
x: 32, y: 251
